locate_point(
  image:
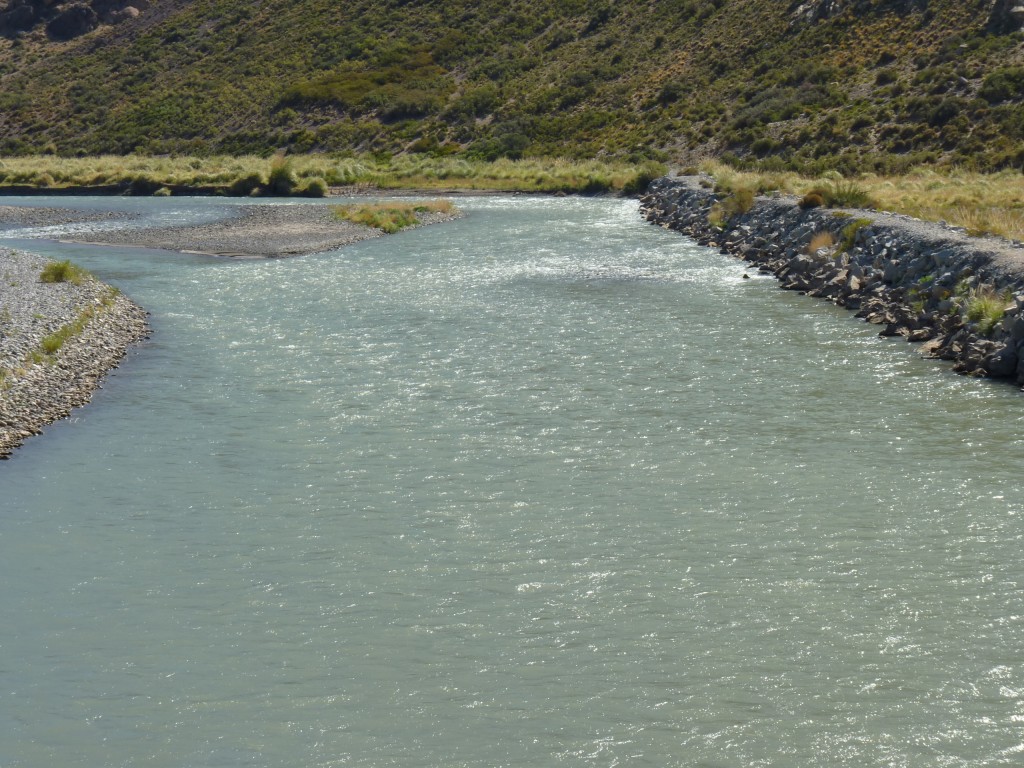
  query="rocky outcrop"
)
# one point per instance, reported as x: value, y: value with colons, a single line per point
x: 1007, y: 16
x: 65, y: 20
x: 73, y: 21
x: 811, y: 11
x: 925, y: 282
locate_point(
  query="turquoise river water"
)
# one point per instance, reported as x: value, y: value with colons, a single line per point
x: 546, y: 486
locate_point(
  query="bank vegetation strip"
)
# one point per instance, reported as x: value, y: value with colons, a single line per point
x: 980, y: 203
x: 314, y: 175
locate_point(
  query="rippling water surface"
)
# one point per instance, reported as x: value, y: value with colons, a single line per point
x: 545, y: 486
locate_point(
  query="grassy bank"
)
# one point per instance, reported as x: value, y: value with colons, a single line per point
x: 981, y: 203
x: 312, y: 175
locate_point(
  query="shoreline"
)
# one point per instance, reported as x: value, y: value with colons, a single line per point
x: 920, y: 280
x: 38, y: 389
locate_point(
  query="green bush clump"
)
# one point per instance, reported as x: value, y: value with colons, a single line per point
x: 847, y: 194
x: 245, y: 185
x: 849, y: 234
x: 986, y: 307
x: 838, y: 194
x: 1002, y: 85
x: 740, y: 200
x: 63, y: 272
x: 314, y: 187
x: 282, y: 179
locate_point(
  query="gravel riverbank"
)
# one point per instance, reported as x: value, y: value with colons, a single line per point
x: 37, y: 216
x: 36, y: 390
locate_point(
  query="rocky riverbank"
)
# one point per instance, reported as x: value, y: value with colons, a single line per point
x: 37, y: 386
x: 963, y: 297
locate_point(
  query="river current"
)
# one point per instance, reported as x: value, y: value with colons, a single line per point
x: 544, y: 486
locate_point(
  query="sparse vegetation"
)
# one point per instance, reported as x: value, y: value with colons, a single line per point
x: 52, y: 343
x: 63, y: 272
x: 392, y: 217
x: 982, y: 203
x: 849, y: 234
x: 985, y: 307
x: 818, y: 241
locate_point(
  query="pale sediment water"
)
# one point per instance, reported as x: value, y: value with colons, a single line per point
x: 543, y: 486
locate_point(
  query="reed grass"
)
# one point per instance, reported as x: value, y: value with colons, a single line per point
x: 391, y: 217
x: 986, y: 307
x: 295, y: 174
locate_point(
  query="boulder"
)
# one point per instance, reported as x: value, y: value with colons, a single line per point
x: 73, y: 21
x: 1007, y: 16
x: 20, y: 18
x: 1002, y: 363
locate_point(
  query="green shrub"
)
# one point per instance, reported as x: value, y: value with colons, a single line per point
x: 314, y: 187
x: 838, y: 194
x: 282, y: 179
x: 986, y: 307
x: 849, y: 235
x: 63, y: 272
x: 245, y: 185
x: 847, y: 194
x: 1002, y: 85
x: 741, y: 200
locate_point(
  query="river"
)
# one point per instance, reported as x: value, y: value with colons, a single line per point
x: 544, y: 486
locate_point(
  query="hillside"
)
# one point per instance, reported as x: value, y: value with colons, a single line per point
x: 848, y: 84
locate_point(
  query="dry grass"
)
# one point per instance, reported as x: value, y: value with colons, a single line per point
x: 405, y: 172
x: 391, y: 217
x: 818, y: 241
x: 981, y: 203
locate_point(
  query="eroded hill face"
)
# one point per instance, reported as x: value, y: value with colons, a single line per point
x: 810, y: 83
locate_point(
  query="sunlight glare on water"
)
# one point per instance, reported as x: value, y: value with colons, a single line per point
x: 547, y: 485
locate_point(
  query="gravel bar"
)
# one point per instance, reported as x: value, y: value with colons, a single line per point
x: 36, y: 216
x: 34, y: 394
x: 257, y: 232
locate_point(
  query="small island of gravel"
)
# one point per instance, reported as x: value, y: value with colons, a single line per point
x: 257, y: 232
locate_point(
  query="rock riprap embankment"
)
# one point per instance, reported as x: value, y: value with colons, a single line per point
x: 927, y: 282
x: 40, y: 384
